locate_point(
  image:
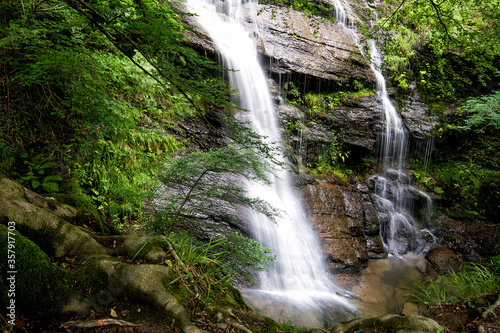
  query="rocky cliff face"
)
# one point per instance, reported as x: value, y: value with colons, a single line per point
x: 347, y: 224
x: 295, y: 44
x: 313, y: 47
x: 356, y: 124
x: 320, y: 56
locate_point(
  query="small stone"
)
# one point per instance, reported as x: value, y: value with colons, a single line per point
x: 410, y: 309
x: 422, y: 266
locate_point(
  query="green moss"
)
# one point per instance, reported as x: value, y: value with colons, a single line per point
x: 78, y: 201
x: 37, y: 281
x: 289, y: 326
x: 265, y: 324
x: 51, y: 204
x: 399, y: 323
x: 87, y: 212
x: 181, y: 292
x: 237, y: 298
x: 90, y: 278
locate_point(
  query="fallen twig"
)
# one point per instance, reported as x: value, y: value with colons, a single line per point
x: 96, y: 323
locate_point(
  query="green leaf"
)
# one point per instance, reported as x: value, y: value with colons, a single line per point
x: 50, y: 187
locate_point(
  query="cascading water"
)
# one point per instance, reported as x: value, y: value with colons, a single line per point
x: 383, y: 282
x: 395, y: 196
x: 297, y: 282
x: 398, y: 228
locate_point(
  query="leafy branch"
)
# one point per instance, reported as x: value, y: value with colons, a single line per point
x: 483, y: 112
x: 203, y: 182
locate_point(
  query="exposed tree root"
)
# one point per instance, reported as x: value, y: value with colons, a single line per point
x: 491, y: 310
x: 96, y: 323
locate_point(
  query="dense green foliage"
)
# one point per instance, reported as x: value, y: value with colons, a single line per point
x: 450, y: 51
x: 91, y: 93
x: 331, y: 163
x: 448, y: 47
x: 465, y: 168
x: 483, y: 113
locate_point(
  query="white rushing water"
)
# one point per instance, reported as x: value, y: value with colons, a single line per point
x: 393, y: 189
x: 395, y: 139
x: 399, y: 230
x: 297, y: 286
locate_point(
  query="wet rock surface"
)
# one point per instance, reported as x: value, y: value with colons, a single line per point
x: 339, y: 216
x: 313, y: 47
x: 415, y: 115
x: 380, y: 288
x: 356, y: 124
x: 318, y: 53
x: 297, y: 45
x: 403, y: 211
x: 443, y: 259
x: 471, y: 240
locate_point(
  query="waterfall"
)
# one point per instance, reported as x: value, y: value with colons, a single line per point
x: 298, y: 281
x: 395, y: 195
x: 398, y: 228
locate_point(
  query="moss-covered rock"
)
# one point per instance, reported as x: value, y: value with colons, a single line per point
x: 146, y: 248
x: 46, y: 222
x: 86, y: 215
x: 388, y: 324
x: 46, y: 225
x: 30, y: 279
x: 43, y: 228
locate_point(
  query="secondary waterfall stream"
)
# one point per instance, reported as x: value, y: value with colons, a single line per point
x: 392, y: 186
x: 399, y: 230
x: 297, y: 286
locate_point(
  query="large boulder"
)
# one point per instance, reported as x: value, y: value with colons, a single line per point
x: 341, y: 216
x: 443, y: 259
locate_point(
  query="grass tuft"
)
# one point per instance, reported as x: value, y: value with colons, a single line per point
x: 470, y: 281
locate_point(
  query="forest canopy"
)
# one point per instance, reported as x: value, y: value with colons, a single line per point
x: 451, y: 47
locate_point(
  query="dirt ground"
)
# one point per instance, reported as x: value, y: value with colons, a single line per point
x: 465, y: 317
